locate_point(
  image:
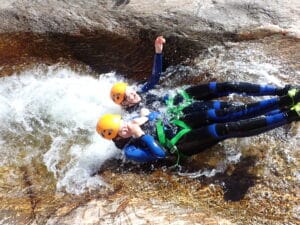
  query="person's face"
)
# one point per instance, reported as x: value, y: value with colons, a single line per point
x: 131, y: 97
x: 124, y: 130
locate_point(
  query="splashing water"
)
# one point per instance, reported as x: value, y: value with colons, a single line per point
x: 51, y: 115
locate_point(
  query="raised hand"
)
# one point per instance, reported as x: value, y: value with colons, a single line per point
x: 159, y: 42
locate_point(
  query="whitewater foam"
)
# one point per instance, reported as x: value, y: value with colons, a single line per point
x: 52, y: 114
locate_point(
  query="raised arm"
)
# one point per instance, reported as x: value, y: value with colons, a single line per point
x: 157, y: 65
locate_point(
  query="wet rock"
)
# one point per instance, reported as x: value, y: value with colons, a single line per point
x: 135, y: 211
x: 183, y: 18
x: 101, y: 33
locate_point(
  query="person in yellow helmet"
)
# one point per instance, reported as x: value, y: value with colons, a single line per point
x: 140, y: 147
x: 197, y: 98
x: 122, y: 94
x: 152, y: 137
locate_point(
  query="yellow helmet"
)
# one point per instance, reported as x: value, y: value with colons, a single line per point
x: 108, y: 125
x: 117, y: 92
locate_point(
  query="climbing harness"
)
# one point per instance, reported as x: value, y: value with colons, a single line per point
x: 175, y: 111
x: 171, y: 144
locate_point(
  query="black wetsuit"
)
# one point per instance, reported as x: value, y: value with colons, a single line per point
x: 210, y: 120
x: 204, y: 134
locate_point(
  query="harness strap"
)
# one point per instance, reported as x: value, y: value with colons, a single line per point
x: 175, y: 111
x: 160, y: 132
x: 171, y: 144
x: 185, y: 129
x: 184, y: 94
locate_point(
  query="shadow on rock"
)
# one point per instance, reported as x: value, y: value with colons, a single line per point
x: 236, y: 181
x: 237, y: 184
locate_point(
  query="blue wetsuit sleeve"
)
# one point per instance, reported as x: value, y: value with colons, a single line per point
x: 154, y: 148
x: 137, y: 154
x: 156, y: 73
x: 152, y: 151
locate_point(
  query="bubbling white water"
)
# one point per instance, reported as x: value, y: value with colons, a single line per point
x: 51, y: 114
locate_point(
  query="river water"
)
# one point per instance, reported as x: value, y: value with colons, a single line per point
x: 51, y: 115
x: 51, y: 154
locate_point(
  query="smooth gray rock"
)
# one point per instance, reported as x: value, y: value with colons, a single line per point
x: 186, y: 18
x: 116, y: 34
